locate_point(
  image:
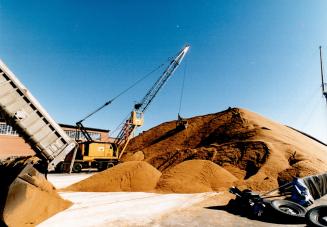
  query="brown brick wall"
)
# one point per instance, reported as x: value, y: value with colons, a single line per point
x: 14, y: 146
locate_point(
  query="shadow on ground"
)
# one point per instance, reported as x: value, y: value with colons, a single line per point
x: 267, y: 217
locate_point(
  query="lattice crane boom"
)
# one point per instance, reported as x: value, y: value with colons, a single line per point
x: 136, y: 118
x: 143, y: 105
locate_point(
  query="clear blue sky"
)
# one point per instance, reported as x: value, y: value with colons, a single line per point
x: 259, y: 55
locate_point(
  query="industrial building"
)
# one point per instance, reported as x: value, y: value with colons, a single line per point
x: 12, y: 144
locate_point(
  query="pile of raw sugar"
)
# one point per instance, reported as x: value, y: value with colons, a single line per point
x: 261, y: 153
x: 27, y: 198
x: 232, y: 147
x: 195, y: 176
x: 130, y: 176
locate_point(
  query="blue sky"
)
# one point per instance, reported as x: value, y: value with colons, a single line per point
x: 259, y: 55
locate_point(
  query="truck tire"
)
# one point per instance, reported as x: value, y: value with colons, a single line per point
x: 105, y: 165
x: 288, y: 210
x: 60, y: 167
x: 102, y: 166
x: 317, y: 216
x: 77, y: 167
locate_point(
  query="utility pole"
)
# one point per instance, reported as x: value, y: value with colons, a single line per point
x: 322, y: 75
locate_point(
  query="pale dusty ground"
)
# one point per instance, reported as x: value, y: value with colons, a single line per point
x: 115, y: 208
x: 145, y: 209
x: 64, y: 180
x: 119, y: 208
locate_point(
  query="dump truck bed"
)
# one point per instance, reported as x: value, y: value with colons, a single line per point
x: 31, y: 121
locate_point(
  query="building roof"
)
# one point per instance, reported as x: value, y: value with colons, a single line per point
x: 71, y: 126
x: 87, y: 128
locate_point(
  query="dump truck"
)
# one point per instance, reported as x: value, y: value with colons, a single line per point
x: 21, y: 110
x: 50, y: 143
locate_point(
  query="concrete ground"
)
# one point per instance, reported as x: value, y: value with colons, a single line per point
x: 62, y: 180
x: 119, y: 208
x: 146, y: 209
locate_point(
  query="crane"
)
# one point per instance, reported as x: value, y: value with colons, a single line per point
x: 102, y: 155
x: 136, y: 118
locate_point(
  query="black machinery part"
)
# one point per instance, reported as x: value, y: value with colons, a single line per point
x: 289, y: 210
x: 317, y: 216
x: 77, y: 167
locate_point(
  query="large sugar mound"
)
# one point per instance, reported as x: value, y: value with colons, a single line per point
x: 130, y: 176
x: 261, y: 153
x: 195, y: 176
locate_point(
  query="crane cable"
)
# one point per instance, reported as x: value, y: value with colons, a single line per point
x: 121, y: 93
x: 169, y: 59
x: 182, y: 89
x: 312, y: 112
